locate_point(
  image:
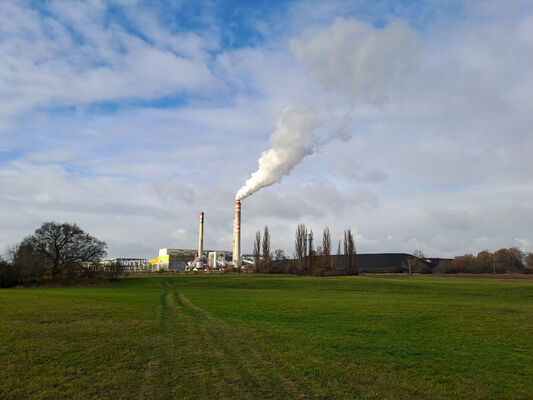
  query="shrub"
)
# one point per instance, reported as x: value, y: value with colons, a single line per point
x: 8, y: 275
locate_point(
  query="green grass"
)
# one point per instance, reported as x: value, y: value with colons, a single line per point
x: 277, y: 337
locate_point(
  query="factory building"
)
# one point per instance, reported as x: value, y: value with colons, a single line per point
x: 177, y: 259
x: 172, y: 259
x: 129, y: 264
x: 188, y: 259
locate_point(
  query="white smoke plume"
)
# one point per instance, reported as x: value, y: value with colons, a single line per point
x: 292, y: 140
x: 350, y: 59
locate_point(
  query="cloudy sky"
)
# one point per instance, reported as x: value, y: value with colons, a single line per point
x: 130, y: 117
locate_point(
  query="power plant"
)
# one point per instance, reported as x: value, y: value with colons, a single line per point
x: 201, y: 259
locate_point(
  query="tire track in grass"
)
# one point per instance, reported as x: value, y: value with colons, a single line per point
x: 199, y: 356
x: 210, y: 376
x: 186, y: 363
x: 166, y: 375
x: 260, y: 377
x: 151, y: 386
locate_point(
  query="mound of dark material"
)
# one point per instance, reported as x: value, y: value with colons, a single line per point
x: 382, y: 262
x: 365, y: 263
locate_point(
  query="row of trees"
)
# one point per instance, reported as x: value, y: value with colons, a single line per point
x: 321, y: 261
x: 308, y: 260
x: 501, y: 261
x: 56, y: 252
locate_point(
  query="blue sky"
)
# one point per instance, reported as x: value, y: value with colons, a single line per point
x: 131, y: 117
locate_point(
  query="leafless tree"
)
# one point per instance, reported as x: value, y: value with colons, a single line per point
x: 114, y: 270
x: 417, y: 261
x: 411, y: 262
x: 300, y: 246
x: 257, y: 248
x: 338, y: 258
x: 266, y: 248
x: 326, y: 249
x: 419, y: 254
x: 64, y: 247
x: 279, y: 254
x: 350, y: 253
x: 529, y: 260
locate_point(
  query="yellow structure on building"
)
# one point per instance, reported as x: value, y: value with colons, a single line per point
x: 171, y: 259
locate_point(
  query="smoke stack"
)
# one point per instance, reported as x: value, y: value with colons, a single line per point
x: 201, y: 236
x: 237, y: 234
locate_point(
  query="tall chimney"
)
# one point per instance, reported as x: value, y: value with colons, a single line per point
x: 233, y: 243
x: 201, y: 236
x: 237, y: 234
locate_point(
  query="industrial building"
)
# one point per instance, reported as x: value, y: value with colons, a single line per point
x: 177, y: 259
x: 174, y: 259
x: 130, y: 264
x: 190, y: 259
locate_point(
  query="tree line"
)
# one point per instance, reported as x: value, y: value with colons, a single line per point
x: 317, y: 259
x: 307, y: 259
x: 502, y: 261
x: 56, y: 252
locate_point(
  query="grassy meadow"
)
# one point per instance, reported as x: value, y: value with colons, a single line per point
x: 269, y: 337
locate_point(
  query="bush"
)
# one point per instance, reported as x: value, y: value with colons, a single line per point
x: 115, y: 270
x: 8, y: 275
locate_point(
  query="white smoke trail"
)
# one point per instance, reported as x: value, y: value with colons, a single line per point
x: 352, y: 60
x: 292, y: 140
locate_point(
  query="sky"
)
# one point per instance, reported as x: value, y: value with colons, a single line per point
x: 129, y: 118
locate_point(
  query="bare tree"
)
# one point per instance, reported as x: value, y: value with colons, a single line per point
x: 350, y: 253
x: 279, y: 255
x: 300, y: 246
x: 64, y: 246
x: 411, y: 261
x: 257, y: 249
x: 529, y: 260
x: 114, y: 270
x: 326, y: 249
x: 419, y: 254
x: 310, y: 252
x: 266, y: 248
x: 417, y: 261
x: 338, y: 258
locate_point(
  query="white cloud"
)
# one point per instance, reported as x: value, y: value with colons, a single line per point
x: 353, y: 58
x: 73, y: 58
x: 443, y: 165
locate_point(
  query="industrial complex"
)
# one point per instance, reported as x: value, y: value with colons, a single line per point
x: 191, y: 259
x: 200, y: 259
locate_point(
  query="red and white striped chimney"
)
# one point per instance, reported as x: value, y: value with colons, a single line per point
x: 237, y: 234
x: 201, y: 236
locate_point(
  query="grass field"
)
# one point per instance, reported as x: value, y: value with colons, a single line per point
x: 278, y: 337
